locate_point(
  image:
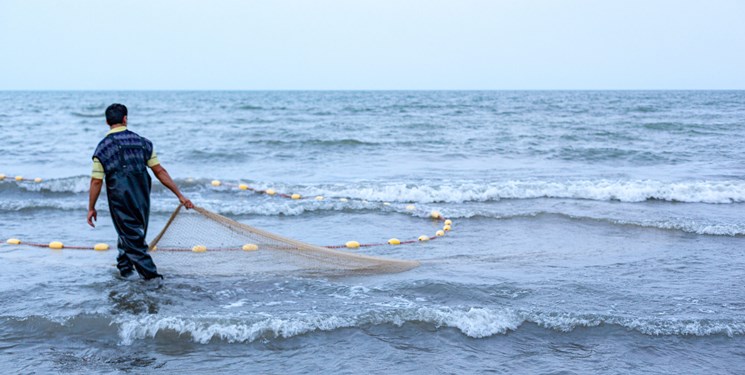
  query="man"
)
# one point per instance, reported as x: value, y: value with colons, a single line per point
x: 122, y: 157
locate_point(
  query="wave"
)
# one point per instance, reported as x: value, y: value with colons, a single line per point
x: 632, y: 191
x: 351, y: 109
x: 566, y: 322
x: 248, y: 107
x: 688, y: 226
x: 41, y: 205
x: 682, y: 224
x: 74, y: 184
x: 88, y: 115
x: 287, y: 208
x: 643, y: 109
x: 317, y: 142
x: 474, y: 322
x: 665, y: 126
x: 81, y: 184
x: 596, y: 154
x: 292, y: 208
x: 252, y: 107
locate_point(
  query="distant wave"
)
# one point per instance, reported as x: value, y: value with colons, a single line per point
x: 249, y: 107
x: 596, y: 154
x: 75, y: 184
x: 351, y: 109
x: 703, y: 191
x: 449, y: 198
x: 719, y: 192
x: 40, y: 205
x: 683, y: 224
x: 649, y: 326
x: 315, y: 142
x: 288, y: 208
x: 283, y: 207
x: 644, y: 109
x: 665, y: 126
x: 87, y: 115
x: 688, y: 226
x: 253, y: 107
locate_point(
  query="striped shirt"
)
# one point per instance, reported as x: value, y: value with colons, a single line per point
x: 98, y: 171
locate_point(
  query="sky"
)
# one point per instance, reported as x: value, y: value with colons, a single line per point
x: 371, y: 44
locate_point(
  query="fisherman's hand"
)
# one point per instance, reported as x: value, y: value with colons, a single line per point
x: 186, y: 202
x: 92, y: 216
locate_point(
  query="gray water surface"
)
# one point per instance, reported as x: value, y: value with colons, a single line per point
x: 594, y: 232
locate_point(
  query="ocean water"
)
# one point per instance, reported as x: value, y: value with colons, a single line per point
x: 594, y: 232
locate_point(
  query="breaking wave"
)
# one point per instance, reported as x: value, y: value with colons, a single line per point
x: 474, y: 322
x: 632, y: 191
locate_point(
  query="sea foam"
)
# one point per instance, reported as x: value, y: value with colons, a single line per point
x: 689, y: 191
x: 474, y: 322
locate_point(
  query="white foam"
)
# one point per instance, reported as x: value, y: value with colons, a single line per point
x: 683, y: 225
x: 475, y: 322
x: 203, y: 330
x: 76, y: 184
x: 655, y: 327
x: 234, y: 304
x: 691, y: 191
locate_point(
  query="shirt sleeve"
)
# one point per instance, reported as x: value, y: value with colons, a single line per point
x: 97, y: 172
x: 153, y: 161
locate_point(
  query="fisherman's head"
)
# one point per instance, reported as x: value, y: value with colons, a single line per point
x: 116, y: 114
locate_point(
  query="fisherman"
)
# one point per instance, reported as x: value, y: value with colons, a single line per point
x: 122, y: 157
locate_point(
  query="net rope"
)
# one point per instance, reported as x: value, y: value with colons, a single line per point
x: 204, y: 231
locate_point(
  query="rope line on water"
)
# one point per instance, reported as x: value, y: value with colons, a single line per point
x: 56, y: 245
x: 22, y: 179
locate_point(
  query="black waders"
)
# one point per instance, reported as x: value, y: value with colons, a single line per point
x: 124, y: 157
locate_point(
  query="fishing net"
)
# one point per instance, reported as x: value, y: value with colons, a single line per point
x: 200, y: 241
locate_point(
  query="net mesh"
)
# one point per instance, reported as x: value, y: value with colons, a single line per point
x: 223, y: 242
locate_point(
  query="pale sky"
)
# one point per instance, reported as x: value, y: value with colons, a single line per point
x: 371, y: 44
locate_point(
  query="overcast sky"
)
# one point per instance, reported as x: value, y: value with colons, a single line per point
x: 375, y: 44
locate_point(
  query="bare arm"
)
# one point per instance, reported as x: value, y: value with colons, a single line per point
x: 164, y: 178
x: 96, y: 184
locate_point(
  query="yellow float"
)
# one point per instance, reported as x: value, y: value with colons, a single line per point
x: 101, y: 247
x: 250, y: 247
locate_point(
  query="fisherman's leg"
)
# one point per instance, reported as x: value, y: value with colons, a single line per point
x: 123, y: 263
x: 130, y: 215
x: 135, y: 249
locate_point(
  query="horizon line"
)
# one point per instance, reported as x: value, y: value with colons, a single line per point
x: 352, y: 90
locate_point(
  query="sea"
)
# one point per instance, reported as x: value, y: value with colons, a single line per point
x: 593, y: 232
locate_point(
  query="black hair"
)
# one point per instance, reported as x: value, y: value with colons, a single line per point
x: 115, y: 113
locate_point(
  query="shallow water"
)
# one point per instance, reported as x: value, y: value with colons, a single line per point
x: 594, y: 232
